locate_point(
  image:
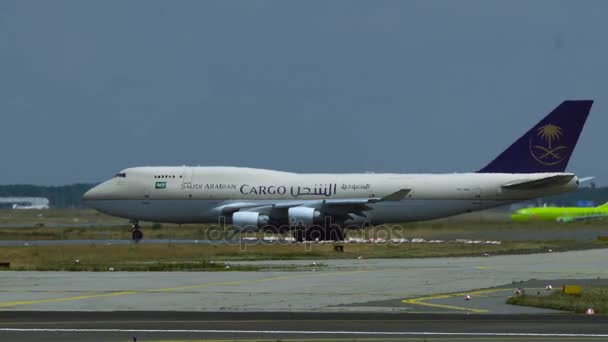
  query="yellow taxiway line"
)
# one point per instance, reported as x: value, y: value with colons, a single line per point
x: 423, y: 301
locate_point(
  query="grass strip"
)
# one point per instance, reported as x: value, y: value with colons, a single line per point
x: 591, y: 297
x: 170, y: 257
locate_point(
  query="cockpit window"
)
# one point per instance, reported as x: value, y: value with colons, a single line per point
x: 121, y: 175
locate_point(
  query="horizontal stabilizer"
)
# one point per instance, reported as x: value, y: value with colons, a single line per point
x: 545, y: 182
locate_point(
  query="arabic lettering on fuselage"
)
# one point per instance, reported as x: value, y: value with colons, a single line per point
x: 295, y: 191
x: 318, y: 190
x: 325, y: 190
x: 355, y: 187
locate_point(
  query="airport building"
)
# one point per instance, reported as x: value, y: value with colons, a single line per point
x: 24, y: 202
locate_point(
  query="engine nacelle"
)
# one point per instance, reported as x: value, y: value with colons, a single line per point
x: 248, y: 221
x: 302, y: 216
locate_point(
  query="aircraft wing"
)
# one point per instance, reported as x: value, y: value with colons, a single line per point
x: 544, y: 182
x: 337, y: 208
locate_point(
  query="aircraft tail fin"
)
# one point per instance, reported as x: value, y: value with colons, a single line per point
x: 546, y: 147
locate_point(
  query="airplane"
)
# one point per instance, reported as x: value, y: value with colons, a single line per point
x: 320, y: 206
x: 560, y: 214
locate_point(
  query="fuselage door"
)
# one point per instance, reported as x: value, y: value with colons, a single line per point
x: 147, y: 189
x: 477, y: 195
x: 187, y: 185
x: 147, y: 194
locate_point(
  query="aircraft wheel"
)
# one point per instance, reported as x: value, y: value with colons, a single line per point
x: 137, y: 235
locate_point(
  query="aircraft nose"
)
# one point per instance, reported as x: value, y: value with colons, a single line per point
x: 91, y: 195
x: 98, y: 192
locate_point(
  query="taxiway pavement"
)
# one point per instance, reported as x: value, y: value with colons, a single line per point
x: 375, y: 285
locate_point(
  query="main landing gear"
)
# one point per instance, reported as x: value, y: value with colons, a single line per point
x: 136, y: 234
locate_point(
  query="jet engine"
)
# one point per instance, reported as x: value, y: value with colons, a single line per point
x: 299, y: 216
x: 247, y: 221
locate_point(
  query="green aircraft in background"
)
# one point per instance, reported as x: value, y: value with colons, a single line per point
x: 560, y: 214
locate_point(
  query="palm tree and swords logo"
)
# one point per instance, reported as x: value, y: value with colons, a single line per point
x: 544, y: 145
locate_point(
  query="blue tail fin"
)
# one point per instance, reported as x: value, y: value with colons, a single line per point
x: 547, y: 147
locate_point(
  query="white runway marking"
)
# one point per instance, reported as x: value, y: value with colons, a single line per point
x: 303, y: 332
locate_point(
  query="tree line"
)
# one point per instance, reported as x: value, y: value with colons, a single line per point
x: 65, y: 196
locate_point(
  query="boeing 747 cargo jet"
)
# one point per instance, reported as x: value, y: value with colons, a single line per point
x: 321, y: 205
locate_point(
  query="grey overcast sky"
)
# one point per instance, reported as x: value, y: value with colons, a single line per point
x: 90, y: 87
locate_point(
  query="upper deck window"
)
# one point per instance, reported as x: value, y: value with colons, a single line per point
x: 166, y: 176
x: 121, y: 175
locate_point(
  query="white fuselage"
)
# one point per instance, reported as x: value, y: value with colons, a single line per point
x: 199, y: 194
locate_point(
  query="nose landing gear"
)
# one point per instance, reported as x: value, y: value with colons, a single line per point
x: 136, y: 234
